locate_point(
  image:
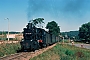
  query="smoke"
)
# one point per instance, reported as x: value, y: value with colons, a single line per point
x: 73, y: 5
x: 64, y: 11
x: 36, y: 7
x: 54, y: 7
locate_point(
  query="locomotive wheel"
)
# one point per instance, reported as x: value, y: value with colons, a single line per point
x: 44, y: 45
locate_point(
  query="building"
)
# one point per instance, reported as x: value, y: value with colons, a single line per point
x: 15, y: 36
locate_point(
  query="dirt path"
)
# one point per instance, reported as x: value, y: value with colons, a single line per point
x: 82, y: 45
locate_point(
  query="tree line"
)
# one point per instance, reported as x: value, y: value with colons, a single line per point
x: 6, y: 32
x: 83, y: 34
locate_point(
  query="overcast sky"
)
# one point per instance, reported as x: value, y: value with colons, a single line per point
x: 69, y: 14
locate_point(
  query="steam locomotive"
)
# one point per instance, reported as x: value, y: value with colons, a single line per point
x: 36, y: 38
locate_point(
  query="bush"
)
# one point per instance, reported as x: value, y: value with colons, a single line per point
x: 79, y: 54
x: 69, y: 52
x: 7, y: 49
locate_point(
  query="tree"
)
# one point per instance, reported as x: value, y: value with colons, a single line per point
x: 37, y: 21
x: 53, y: 28
x: 84, y: 31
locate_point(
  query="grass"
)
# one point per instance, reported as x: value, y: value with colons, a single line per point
x: 7, y: 49
x: 64, y: 52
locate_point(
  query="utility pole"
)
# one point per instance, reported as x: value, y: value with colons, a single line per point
x: 2, y: 35
x: 8, y: 27
x: 63, y: 40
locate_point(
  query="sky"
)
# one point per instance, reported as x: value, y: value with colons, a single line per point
x: 69, y: 14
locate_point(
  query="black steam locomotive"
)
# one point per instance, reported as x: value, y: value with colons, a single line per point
x: 35, y: 38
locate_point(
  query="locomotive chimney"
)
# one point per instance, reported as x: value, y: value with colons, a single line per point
x: 29, y: 26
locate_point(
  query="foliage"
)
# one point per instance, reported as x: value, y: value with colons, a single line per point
x: 70, y: 34
x: 69, y: 52
x: 84, y: 31
x: 7, y: 49
x: 37, y: 21
x: 64, y: 52
x: 53, y: 28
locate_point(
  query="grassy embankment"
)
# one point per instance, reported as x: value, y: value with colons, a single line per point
x: 7, y: 49
x: 64, y: 52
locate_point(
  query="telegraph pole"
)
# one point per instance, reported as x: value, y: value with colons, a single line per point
x: 8, y: 27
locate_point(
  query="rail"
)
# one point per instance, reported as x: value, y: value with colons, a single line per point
x: 3, y: 42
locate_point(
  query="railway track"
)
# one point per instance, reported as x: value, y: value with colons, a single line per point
x: 14, y: 56
x: 26, y: 55
x: 9, y: 42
